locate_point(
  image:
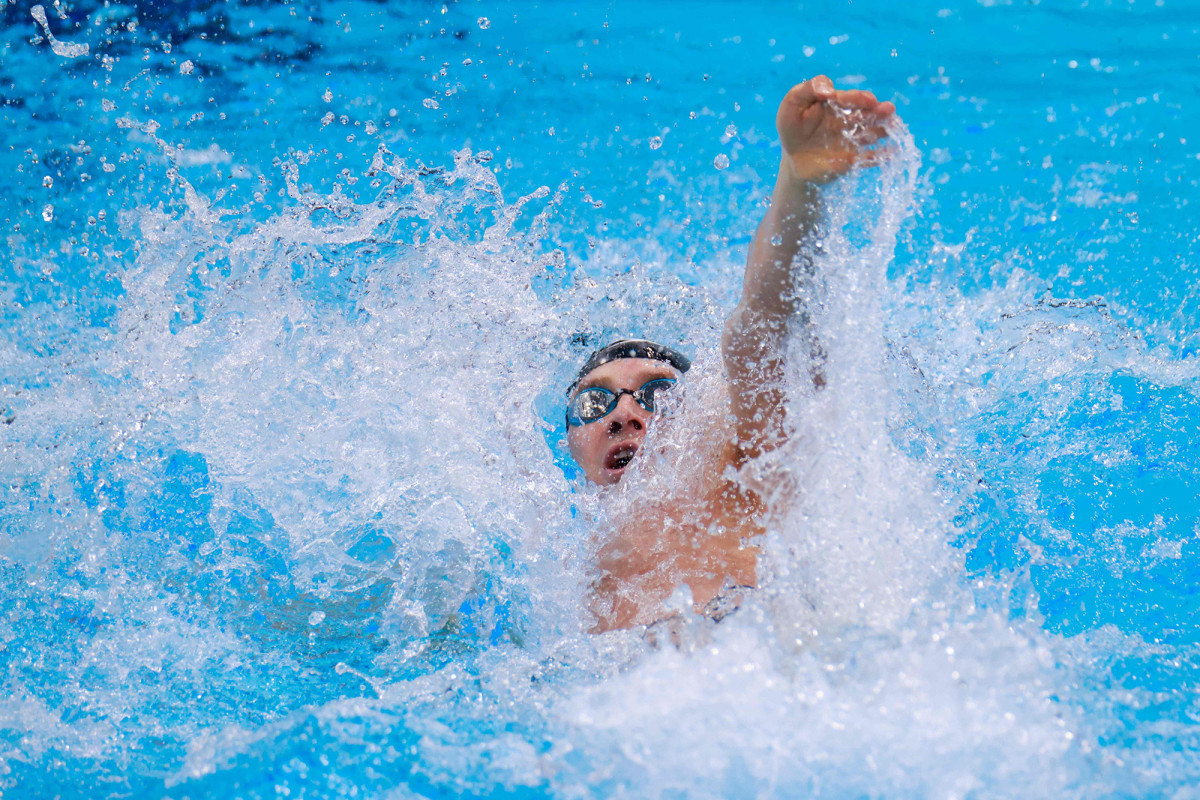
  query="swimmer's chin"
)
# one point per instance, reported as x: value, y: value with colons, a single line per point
x: 613, y: 476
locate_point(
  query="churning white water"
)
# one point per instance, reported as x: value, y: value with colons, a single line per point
x: 298, y: 519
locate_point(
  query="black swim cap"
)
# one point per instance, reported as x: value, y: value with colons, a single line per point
x: 632, y: 348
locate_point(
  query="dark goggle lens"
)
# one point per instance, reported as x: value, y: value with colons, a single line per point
x: 592, y: 404
x: 597, y: 402
x: 647, y: 396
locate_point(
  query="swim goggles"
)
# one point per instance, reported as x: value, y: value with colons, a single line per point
x: 597, y: 402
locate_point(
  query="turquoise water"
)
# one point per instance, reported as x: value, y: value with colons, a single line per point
x: 290, y: 296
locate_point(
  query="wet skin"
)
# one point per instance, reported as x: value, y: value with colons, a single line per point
x: 699, y: 537
x: 603, y: 448
x: 703, y: 536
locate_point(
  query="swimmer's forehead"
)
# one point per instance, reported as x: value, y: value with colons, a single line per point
x: 626, y: 370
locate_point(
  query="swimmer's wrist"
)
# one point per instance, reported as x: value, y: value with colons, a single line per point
x: 792, y: 187
x: 797, y: 179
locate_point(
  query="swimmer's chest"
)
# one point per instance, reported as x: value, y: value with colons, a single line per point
x: 705, y: 540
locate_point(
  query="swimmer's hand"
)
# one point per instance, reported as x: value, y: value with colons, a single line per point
x: 826, y: 132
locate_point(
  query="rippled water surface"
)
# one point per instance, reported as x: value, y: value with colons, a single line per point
x: 291, y: 292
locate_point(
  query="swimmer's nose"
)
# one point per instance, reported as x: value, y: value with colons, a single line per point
x: 627, y: 414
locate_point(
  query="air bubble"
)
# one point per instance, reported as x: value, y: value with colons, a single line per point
x: 776, y: 240
x: 47, y: 212
x: 47, y: 181
x: 721, y: 161
x: 429, y: 102
x: 186, y: 68
x: 328, y: 96
x: 731, y: 131
x: 316, y: 618
x: 484, y: 23
x: 107, y: 105
x: 655, y: 142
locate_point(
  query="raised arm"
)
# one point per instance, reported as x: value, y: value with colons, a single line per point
x: 824, y: 133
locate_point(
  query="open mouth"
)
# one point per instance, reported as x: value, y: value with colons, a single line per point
x: 619, y: 457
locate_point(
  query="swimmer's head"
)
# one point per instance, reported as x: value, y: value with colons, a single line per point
x: 612, y: 401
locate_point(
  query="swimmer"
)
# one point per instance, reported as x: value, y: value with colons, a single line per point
x: 704, y: 536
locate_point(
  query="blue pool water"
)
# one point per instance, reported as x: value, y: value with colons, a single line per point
x: 290, y: 294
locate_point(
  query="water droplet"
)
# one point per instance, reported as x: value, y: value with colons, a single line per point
x: 47, y: 181
x: 186, y: 68
x: 316, y: 618
x: 731, y: 130
x: 484, y: 23
x: 429, y: 102
x: 64, y: 49
x: 47, y: 212
x: 328, y: 96
x: 721, y: 161
x: 655, y: 142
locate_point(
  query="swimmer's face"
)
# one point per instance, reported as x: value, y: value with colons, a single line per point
x: 605, y: 447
